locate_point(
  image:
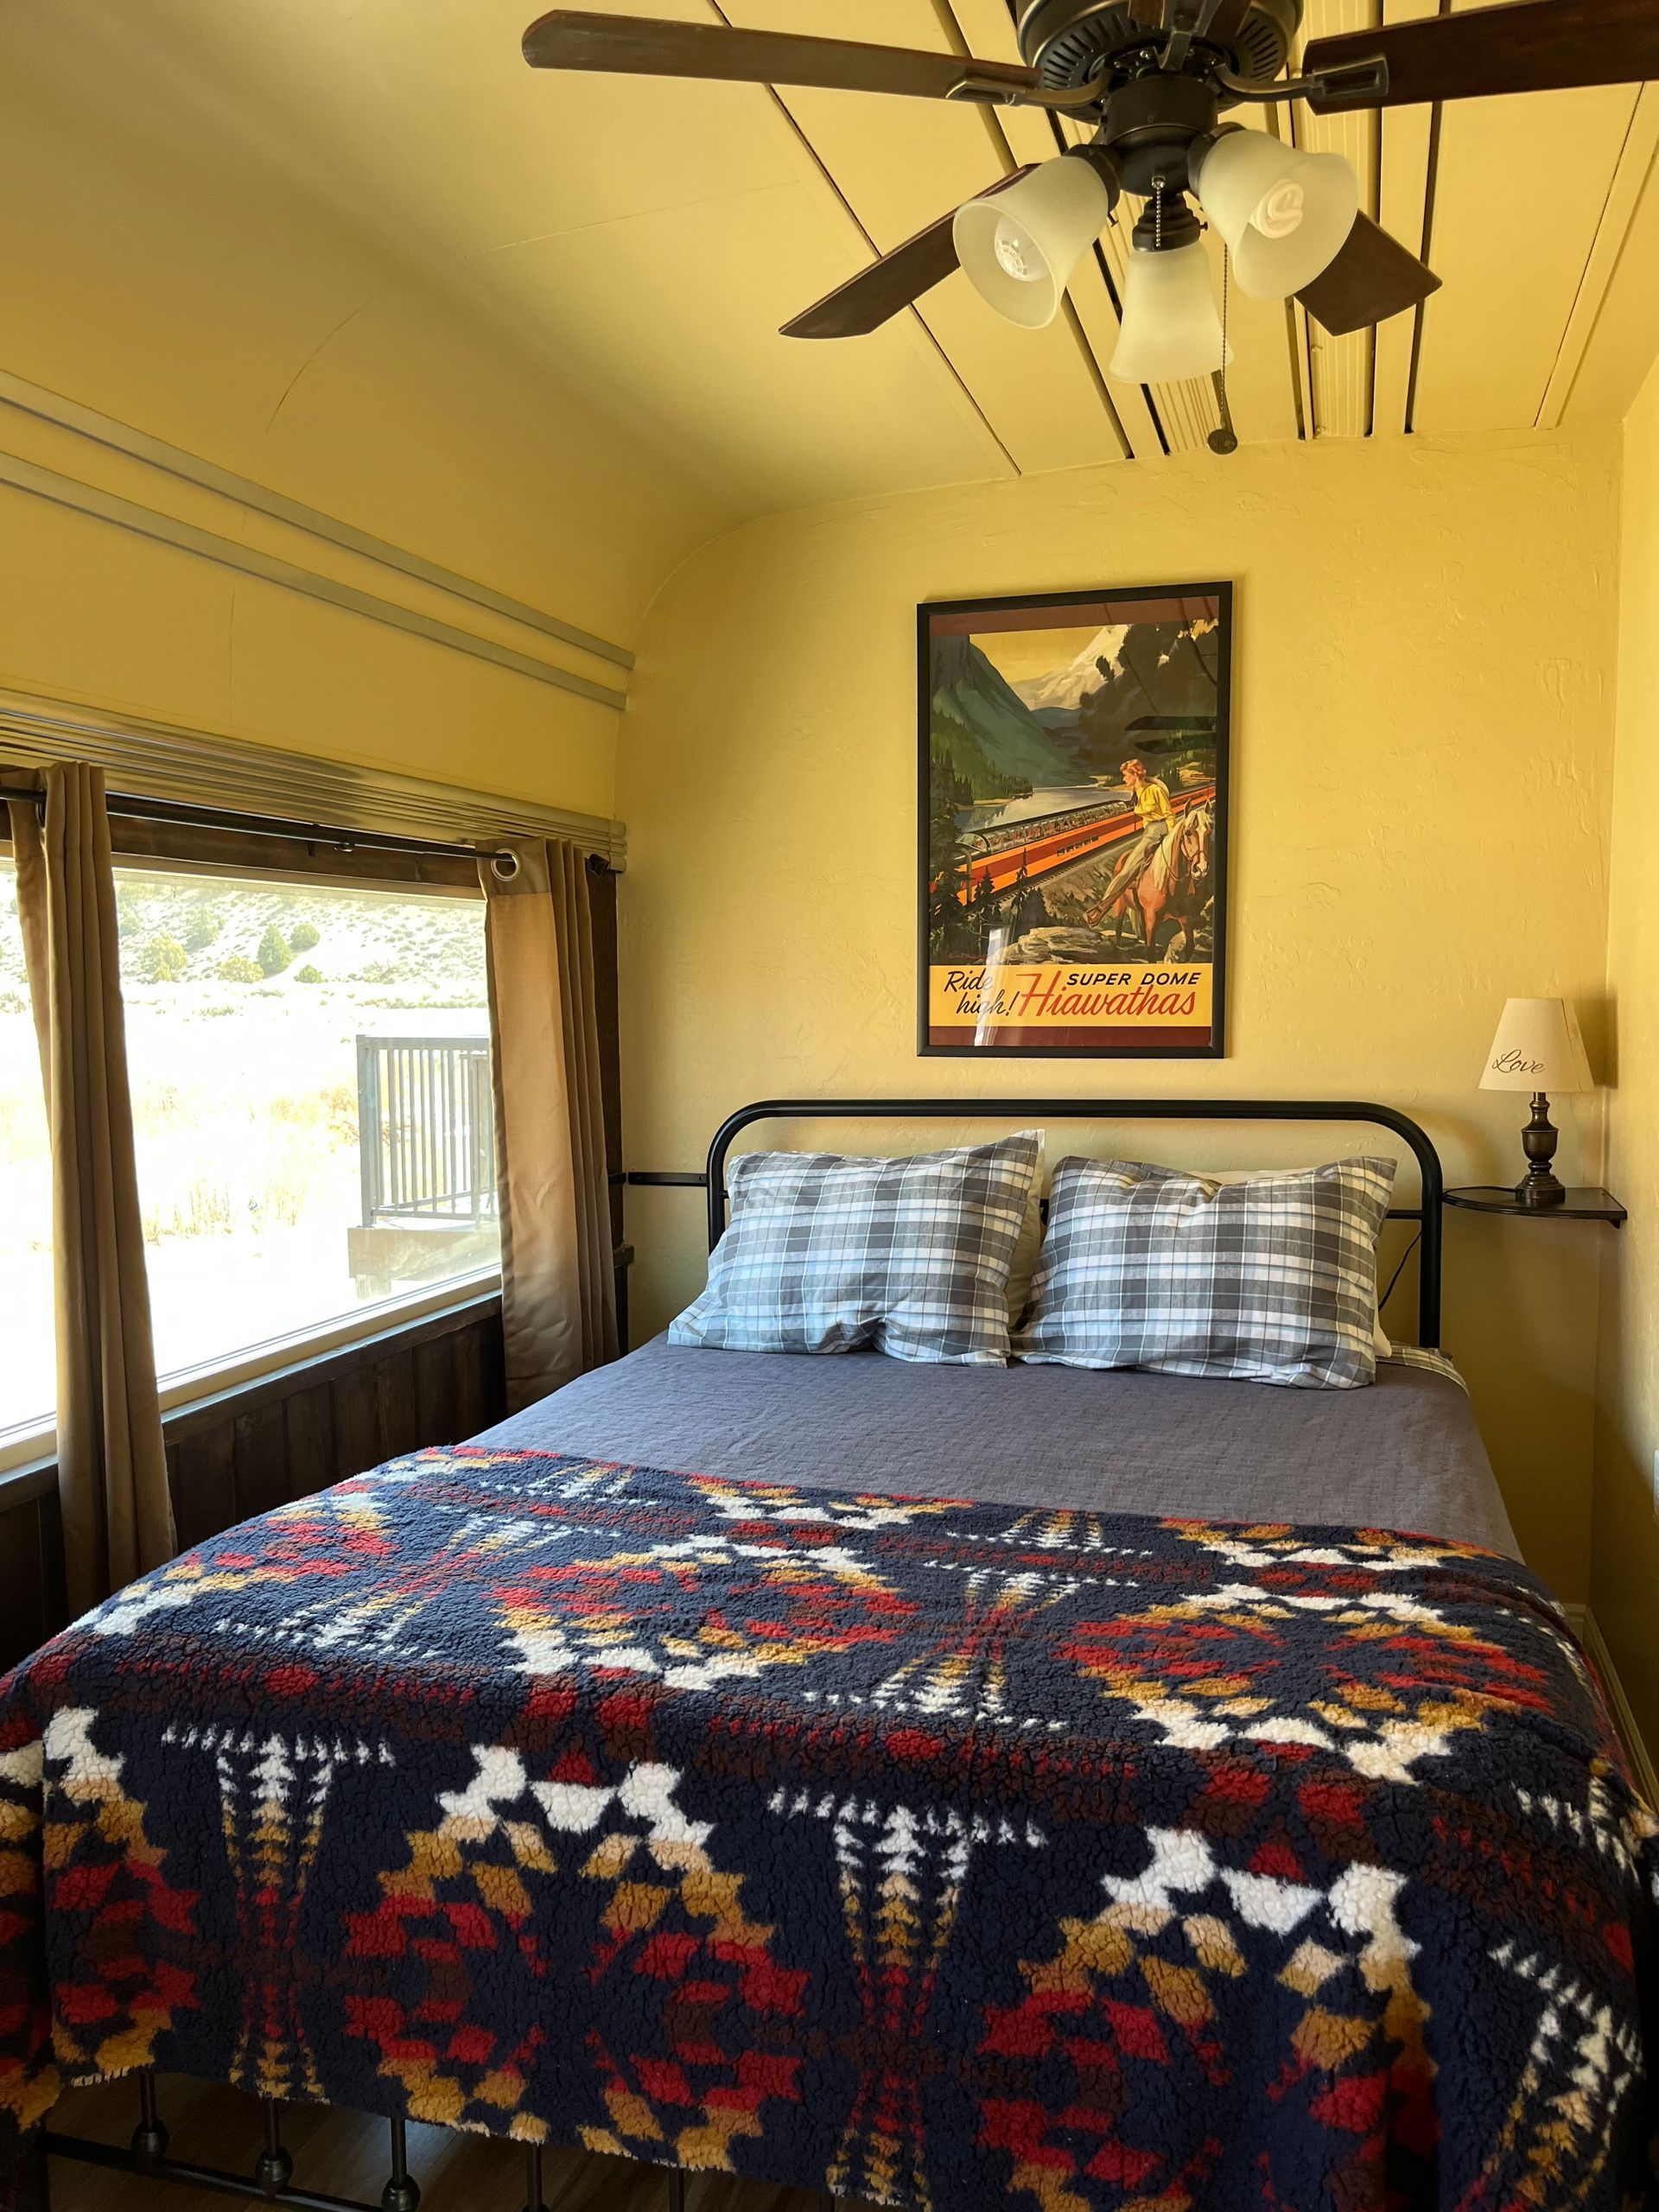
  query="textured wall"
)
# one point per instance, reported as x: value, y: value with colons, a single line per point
x: 1627, y: 1569
x: 1423, y: 752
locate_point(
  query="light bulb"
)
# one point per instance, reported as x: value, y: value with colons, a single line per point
x: 1014, y: 253
x: 1019, y: 247
x: 1285, y: 215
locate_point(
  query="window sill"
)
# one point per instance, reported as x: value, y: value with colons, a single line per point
x: 27, y: 1452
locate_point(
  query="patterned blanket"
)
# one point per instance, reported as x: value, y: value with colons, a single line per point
x: 936, y: 1853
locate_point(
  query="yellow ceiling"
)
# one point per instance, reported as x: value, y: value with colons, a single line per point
x: 209, y: 204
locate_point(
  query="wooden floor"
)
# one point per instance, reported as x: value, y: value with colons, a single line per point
x: 344, y: 2154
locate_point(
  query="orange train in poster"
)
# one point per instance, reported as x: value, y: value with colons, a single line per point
x: 1038, y: 855
x: 1073, y: 797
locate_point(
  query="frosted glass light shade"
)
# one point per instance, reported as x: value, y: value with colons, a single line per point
x: 1171, y: 329
x: 1285, y: 215
x: 1538, y: 1048
x: 1019, y: 247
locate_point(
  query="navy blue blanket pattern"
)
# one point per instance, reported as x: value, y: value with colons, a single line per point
x: 934, y: 1852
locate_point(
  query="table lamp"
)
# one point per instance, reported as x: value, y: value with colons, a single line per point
x: 1538, y: 1048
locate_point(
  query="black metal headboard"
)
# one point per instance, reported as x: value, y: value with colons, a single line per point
x: 1033, y: 1111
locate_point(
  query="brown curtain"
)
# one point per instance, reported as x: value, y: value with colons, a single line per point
x: 558, y: 1293
x: 117, y: 1516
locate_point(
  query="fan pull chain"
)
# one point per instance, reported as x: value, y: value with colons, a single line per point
x: 1224, y: 439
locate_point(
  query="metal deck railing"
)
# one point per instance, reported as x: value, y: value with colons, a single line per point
x: 426, y: 1130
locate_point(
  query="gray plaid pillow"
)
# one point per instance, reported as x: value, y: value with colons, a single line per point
x: 829, y: 1253
x: 1268, y: 1281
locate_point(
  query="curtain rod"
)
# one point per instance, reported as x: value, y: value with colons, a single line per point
x: 502, y: 858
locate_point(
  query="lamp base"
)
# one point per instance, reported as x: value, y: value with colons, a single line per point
x: 1539, y: 1187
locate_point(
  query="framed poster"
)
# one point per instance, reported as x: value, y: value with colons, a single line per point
x: 1073, y: 807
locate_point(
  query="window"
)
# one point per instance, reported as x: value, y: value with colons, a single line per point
x: 27, y: 1347
x: 311, y: 1077
x: 309, y: 1069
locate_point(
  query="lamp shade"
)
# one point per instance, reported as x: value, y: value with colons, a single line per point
x: 1286, y: 215
x: 1538, y: 1047
x: 1019, y: 247
x: 1170, y: 329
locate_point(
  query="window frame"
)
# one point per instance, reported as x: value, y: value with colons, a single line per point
x: 175, y: 848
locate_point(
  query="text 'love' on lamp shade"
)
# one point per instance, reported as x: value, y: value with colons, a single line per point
x: 1170, y: 328
x: 1019, y: 247
x: 1538, y: 1048
x: 1286, y: 215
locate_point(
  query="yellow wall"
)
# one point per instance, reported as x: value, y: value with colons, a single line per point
x: 1422, y: 762
x: 1626, y: 1569
x: 175, y: 268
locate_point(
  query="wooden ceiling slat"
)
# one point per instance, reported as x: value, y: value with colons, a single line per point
x: 1613, y: 259
x: 1401, y: 197
x: 1341, y: 366
x: 1523, y: 185
x: 1622, y: 346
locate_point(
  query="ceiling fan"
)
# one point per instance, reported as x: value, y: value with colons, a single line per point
x: 1152, y: 77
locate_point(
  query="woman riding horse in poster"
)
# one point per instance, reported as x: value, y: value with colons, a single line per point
x: 1151, y: 798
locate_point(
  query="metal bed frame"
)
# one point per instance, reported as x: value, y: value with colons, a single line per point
x: 271, y: 2179
x: 1431, y: 1180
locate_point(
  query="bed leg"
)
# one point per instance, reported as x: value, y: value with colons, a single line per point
x: 402, y: 2192
x: 31, y: 2183
x: 676, y: 2190
x: 534, y: 2201
x: 149, y: 2137
x: 273, y: 2169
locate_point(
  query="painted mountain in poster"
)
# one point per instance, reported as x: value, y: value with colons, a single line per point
x: 993, y: 741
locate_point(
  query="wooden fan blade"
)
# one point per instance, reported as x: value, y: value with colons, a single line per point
x: 864, y: 303
x: 1373, y: 277
x: 636, y: 46
x: 1525, y: 46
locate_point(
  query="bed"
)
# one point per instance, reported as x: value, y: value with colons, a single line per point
x: 919, y: 1785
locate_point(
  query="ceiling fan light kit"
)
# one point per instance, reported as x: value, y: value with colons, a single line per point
x: 1286, y: 215
x: 1170, y: 329
x: 1018, y: 250
x: 1152, y: 77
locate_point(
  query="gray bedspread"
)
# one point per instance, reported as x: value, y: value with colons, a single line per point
x: 1404, y: 1453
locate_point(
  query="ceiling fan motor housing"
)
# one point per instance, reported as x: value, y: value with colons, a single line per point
x: 1151, y: 123
x: 1069, y: 42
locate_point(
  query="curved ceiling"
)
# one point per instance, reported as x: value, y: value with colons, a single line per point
x: 354, y: 249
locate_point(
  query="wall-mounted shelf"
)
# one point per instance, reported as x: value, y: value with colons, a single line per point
x: 1584, y: 1204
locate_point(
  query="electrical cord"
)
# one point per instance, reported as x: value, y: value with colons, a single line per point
x: 1416, y: 1240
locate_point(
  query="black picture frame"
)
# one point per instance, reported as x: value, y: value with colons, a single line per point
x: 928, y: 614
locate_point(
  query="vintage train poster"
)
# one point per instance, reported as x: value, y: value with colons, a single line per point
x: 1073, y: 822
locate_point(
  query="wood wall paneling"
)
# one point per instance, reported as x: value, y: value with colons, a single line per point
x: 239, y: 1452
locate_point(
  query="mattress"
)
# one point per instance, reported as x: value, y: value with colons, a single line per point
x: 1403, y: 1454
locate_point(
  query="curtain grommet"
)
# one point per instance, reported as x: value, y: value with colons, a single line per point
x: 505, y: 865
